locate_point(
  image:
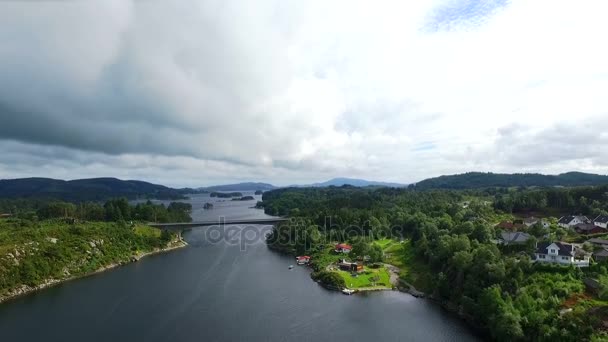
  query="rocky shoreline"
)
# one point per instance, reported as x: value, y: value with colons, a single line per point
x: 25, y: 289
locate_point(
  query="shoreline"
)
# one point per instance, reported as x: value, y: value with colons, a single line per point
x: 24, y: 290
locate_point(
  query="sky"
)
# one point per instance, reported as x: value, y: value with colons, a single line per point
x: 194, y: 93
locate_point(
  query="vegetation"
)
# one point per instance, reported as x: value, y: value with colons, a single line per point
x: 35, y: 252
x: 443, y: 241
x: 82, y: 190
x: 51, y: 241
x: 473, y: 180
x: 113, y: 210
x: 226, y: 194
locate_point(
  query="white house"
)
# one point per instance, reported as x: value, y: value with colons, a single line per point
x: 571, y: 221
x: 601, y: 221
x: 561, y: 253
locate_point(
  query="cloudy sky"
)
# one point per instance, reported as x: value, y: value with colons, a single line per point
x: 191, y: 93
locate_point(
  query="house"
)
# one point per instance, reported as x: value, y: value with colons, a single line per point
x: 592, y: 285
x: 513, y: 238
x: 571, y: 221
x: 601, y: 255
x: 588, y: 228
x: 343, y: 248
x: 561, y: 253
x: 5, y: 216
x: 506, y: 225
x: 303, y: 260
x: 598, y: 242
x: 350, y: 266
x: 530, y: 221
x: 601, y: 221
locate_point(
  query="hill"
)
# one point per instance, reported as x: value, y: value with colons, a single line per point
x: 473, y: 180
x: 355, y: 182
x: 93, y: 189
x: 247, y: 186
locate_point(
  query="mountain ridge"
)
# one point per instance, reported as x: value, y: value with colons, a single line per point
x: 476, y: 180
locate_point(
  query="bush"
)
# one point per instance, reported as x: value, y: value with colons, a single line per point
x: 329, y: 279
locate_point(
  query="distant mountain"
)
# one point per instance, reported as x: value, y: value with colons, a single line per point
x: 247, y: 186
x: 93, y: 189
x: 354, y: 182
x: 486, y: 180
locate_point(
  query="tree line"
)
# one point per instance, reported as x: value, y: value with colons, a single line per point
x: 497, y: 289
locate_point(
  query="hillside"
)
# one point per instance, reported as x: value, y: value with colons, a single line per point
x: 247, y: 186
x: 93, y: 189
x: 354, y: 182
x: 473, y: 180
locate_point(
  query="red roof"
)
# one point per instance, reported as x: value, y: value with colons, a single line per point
x: 343, y: 246
x: 303, y: 257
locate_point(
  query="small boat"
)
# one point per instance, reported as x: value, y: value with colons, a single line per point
x: 348, y: 291
x: 290, y: 266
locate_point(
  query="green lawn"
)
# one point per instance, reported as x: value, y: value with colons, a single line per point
x: 401, y: 255
x: 364, y: 279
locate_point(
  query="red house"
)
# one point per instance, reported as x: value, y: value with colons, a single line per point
x: 343, y: 248
x: 303, y: 260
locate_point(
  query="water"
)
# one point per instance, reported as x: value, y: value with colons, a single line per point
x: 219, y: 292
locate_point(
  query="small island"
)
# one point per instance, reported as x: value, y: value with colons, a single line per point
x: 208, y: 206
x: 244, y: 198
x: 259, y: 192
x: 225, y: 194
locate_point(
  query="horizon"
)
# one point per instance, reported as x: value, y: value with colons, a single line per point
x: 295, y: 184
x: 298, y: 92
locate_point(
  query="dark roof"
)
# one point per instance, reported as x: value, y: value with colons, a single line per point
x: 564, y: 248
x: 592, y: 283
x: 566, y: 219
x: 584, y: 226
x: 601, y: 218
x: 598, y: 241
x: 514, y: 237
x: 602, y: 253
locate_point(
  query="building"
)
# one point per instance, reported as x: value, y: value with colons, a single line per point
x: 350, y: 266
x: 303, y: 260
x: 589, y: 228
x: 598, y: 242
x: 601, y: 255
x: 561, y: 253
x: 601, y: 221
x: 571, y: 221
x: 343, y: 248
x: 513, y: 238
x: 530, y: 221
x: 5, y: 216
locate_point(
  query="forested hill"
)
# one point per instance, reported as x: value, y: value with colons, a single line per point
x: 93, y: 189
x: 474, y: 180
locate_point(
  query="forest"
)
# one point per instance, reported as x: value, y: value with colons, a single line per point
x: 454, y: 256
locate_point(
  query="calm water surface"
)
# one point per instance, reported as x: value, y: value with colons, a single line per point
x: 219, y: 292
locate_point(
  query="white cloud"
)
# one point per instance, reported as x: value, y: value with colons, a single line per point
x: 286, y: 91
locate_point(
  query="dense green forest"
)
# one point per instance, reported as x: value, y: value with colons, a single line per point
x: 473, y: 180
x: 452, y: 254
x: 113, y: 210
x: 81, y: 190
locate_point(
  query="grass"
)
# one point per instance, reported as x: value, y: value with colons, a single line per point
x: 412, y: 270
x: 364, y: 279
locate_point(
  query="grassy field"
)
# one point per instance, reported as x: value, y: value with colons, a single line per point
x: 365, y: 279
x: 401, y: 254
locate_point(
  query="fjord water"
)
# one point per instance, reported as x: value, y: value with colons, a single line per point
x: 219, y: 291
